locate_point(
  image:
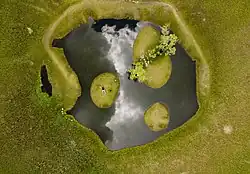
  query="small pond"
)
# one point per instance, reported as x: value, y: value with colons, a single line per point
x: 46, y: 85
x: 94, y: 49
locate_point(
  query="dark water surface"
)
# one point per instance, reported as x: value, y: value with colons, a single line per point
x: 46, y: 85
x: 122, y: 125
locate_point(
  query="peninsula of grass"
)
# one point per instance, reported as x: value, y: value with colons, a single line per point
x: 158, y: 72
x: 157, y: 117
x: 147, y: 39
x: 104, y: 90
x: 35, y: 137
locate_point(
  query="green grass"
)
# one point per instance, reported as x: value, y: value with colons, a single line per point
x: 36, y: 138
x: 104, y: 90
x: 158, y: 72
x: 157, y: 117
x: 146, y: 40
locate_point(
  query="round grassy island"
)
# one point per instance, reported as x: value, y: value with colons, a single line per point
x: 158, y: 72
x: 104, y: 89
x: 147, y: 39
x: 157, y: 117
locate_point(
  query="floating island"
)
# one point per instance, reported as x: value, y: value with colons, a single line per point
x: 157, y: 117
x: 104, y: 90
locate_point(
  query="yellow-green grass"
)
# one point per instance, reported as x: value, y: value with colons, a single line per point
x: 158, y: 72
x: 37, y: 138
x: 156, y: 117
x: 147, y: 39
x: 104, y: 90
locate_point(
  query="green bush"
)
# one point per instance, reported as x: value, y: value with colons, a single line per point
x: 137, y: 72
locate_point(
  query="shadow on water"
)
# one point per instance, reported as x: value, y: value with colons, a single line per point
x: 122, y: 125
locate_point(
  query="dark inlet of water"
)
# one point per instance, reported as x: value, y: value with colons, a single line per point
x: 90, y: 53
x: 46, y: 85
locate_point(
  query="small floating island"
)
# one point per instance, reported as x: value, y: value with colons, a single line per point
x: 104, y: 89
x: 157, y: 117
x: 158, y: 72
x: 148, y: 38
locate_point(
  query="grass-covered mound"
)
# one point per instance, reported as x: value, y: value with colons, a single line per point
x: 104, y: 90
x: 157, y: 117
x: 158, y: 72
x: 146, y: 40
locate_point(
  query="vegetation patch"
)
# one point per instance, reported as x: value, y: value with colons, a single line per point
x: 157, y: 117
x: 141, y: 69
x: 147, y: 39
x: 104, y: 90
x: 158, y: 72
